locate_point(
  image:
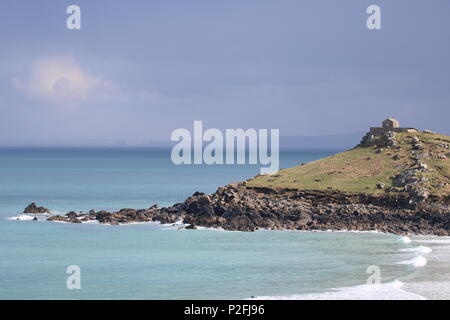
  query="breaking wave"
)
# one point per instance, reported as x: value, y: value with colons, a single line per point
x: 384, y: 291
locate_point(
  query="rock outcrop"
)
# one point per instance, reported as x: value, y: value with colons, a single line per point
x: 33, y: 208
x: 241, y: 208
x: 386, y: 139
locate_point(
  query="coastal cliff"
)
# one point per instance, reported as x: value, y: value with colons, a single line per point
x: 395, y: 182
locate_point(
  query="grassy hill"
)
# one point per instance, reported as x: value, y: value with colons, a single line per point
x: 362, y: 168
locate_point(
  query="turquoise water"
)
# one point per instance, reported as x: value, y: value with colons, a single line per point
x: 152, y: 261
x: 82, y: 179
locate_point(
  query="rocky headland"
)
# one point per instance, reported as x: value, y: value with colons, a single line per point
x: 396, y: 182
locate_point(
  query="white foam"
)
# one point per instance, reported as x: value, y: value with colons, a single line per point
x: 347, y: 231
x: 384, y: 291
x: 435, y: 290
x: 419, y: 249
x: 90, y: 222
x: 161, y: 226
x: 418, y: 261
x: 21, y: 217
x: 213, y: 229
x: 128, y: 223
x: 406, y: 239
x: 436, y: 241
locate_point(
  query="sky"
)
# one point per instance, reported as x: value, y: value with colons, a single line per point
x: 137, y: 70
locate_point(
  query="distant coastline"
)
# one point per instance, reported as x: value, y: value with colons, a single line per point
x: 336, y: 142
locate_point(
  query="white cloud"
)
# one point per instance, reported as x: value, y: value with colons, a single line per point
x: 60, y: 79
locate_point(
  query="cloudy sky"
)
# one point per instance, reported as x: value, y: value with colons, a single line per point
x: 137, y: 70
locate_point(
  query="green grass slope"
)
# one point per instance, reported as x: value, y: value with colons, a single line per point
x: 362, y: 168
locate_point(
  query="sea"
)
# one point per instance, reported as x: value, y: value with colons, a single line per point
x: 155, y: 261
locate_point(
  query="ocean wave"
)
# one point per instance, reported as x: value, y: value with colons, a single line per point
x: 384, y: 291
x: 418, y: 261
x: 419, y: 249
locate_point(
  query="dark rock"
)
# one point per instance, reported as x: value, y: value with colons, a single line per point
x: 33, y: 208
x: 384, y: 140
x: 71, y: 214
x: 244, y: 208
x: 381, y: 186
x: 406, y: 177
x: 56, y: 218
